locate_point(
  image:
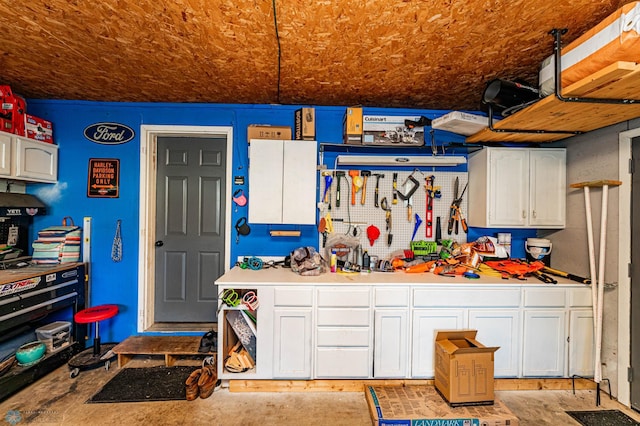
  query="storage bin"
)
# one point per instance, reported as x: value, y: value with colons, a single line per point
x: 55, y: 335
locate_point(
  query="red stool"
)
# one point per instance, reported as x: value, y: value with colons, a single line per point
x: 100, y: 353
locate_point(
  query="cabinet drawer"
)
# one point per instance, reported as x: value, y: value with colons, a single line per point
x: 293, y: 297
x: 343, y: 317
x: 343, y: 297
x: 343, y: 362
x: 549, y: 297
x: 343, y: 336
x: 508, y: 297
x: 580, y: 297
x: 392, y: 297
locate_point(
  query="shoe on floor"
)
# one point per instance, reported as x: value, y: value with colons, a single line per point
x: 208, y: 342
x: 191, y: 384
x: 207, y: 381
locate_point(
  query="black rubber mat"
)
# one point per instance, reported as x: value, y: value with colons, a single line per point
x: 602, y: 418
x: 145, y: 384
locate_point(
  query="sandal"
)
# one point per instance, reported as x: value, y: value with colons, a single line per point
x: 191, y: 384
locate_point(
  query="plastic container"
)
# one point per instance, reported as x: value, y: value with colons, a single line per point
x: 55, y: 335
x: 538, y: 249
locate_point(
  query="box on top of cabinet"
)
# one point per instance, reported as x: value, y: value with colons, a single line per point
x: 305, y: 124
x: 391, y: 130
x: 12, y: 111
x: 38, y: 128
x: 464, y: 368
x: 265, y: 131
x: 352, y: 126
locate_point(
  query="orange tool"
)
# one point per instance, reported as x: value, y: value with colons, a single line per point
x: 354, y: 186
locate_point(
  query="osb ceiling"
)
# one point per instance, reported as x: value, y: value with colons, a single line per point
x: 413, y: 53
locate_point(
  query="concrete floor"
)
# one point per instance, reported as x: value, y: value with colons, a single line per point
x: 56, y: 399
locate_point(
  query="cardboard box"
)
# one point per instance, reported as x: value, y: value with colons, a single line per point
x: 391, y: 130
x: 461, y: 123
x: 305, y: 124
x: 38, y: 128
x: 422, y: 405
x: 352, y: 125
x: 464, y: 368
x: 12, y: 111
x: 265, y: 131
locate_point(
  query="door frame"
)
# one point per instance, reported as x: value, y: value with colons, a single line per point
x: 624, y: 259
x: 147, y: 212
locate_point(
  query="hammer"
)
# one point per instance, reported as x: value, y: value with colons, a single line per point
x: 339, y: 174
x: 378, y: 176
x: 365, y: 174
x: 354, y: 187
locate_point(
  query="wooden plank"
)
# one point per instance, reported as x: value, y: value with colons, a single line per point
x: 150, y: 345
x: 596, y: 183
x: 358, y: 385
x: 621, y: 80
x: 284, y: 233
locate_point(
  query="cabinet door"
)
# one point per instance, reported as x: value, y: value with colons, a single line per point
x: 499, y: 328
x: 548, y: 189
x: 36, y: 161
x: 508, y: 187
x: 299, y: 182
x: 544, y: 343
x: 390, y: 343
x: 581, y: 343
x: 266, y: 163
x: 425, y: 324
x: 5, y: 154
x: 292, y: 343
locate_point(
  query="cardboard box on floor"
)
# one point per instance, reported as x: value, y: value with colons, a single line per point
x: 464, y: 368
x: 422, y: 405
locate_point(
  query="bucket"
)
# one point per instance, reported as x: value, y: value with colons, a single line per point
x: 538, y: 249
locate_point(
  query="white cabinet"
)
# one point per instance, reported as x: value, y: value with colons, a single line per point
x: 581, y: 333
x: 517, y: 188
x: 292, y: 333
x: 544, y: 343
x: 34, y: 160
x: 282, y: 181
x: 391, y: 332
x: 26, y: 159
x: 499, y: 327
x: 425, y: 324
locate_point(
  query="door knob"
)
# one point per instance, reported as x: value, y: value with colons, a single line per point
x: 159, y: 243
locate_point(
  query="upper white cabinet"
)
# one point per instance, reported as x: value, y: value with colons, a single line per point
x: 282, y: 181
x: 517, y: 188
x: 26, y: 159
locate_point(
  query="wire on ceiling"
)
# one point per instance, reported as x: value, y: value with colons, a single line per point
x: 275, y: 24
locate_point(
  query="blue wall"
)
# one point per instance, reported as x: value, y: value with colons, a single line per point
x: 118, y: 282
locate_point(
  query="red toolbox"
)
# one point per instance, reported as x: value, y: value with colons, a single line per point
x: 12, y: 111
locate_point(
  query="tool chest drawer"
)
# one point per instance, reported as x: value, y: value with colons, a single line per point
x: 546, y: 298
x: 341, y: 297
x: 392, y: 297
x: 343, y: 317
x: 343, y: 336
x: 286, y: 296
x: 461, y: 297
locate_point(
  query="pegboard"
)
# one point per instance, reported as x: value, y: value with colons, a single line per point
x: 357, y: 217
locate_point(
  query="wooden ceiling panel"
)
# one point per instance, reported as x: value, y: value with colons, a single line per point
x: 412, y: 53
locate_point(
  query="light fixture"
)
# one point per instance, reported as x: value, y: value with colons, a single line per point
x: 401, y: 160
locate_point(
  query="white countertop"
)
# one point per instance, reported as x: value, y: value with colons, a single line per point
x: 284, y: 277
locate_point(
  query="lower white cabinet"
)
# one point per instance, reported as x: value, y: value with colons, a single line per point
x: 390, y: 343
x: 425, y: 324
x: 292, y: 337
x: 544, y: 343
x: 388, y: 331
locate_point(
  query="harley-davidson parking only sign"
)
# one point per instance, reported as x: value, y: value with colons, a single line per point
x: 104, y: 178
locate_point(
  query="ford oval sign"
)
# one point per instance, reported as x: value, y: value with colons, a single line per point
x: 109, y: 133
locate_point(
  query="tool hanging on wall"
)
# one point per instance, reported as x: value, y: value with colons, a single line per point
x: 416, y: 226
x: 455, y: 214
x: 387, y: 209
x: 356, y: 184
x: 377, y: 192
x: 326, y: 196
x: 365, y: 176
x: 432, y: 193
x: 395, y: 189
x: 116, y: 248
x: 339, y: 174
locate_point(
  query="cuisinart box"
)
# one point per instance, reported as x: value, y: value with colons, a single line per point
x: 461, y: 122
x: 391, y: 130
x: 464, y: 368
